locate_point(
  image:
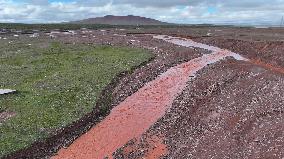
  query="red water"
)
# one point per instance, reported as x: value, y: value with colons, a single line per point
x: 138, y: 112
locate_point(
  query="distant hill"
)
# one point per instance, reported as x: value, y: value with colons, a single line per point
x: 120, y: 20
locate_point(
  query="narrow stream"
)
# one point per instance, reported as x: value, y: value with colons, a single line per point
x: 190, y: 43
x: 131, y: 118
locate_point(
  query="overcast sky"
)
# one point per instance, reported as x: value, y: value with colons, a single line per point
x: 175, y: 11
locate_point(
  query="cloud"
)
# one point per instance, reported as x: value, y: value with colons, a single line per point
x: 38, y: 2
x: 177, y: 11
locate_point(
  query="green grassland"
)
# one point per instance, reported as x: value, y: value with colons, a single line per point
x: 57, y: 84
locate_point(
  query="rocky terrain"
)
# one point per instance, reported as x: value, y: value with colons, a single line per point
x: 231, y: 109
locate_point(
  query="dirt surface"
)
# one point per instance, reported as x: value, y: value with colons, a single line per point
x: 231, y: 109
x: 235, y: 104
x: 6, y: 115
x: 167, y: 55
x: 139, y: 111
x: 226, y: 112
x: 268, y: 52
x: 223, y: 32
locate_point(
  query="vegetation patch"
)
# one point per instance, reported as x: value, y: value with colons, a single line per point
x: 56, y: 85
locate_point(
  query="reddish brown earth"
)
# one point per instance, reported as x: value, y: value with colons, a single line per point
x: 268, y: 66
x: 226, y: 112
x: 166, y: 56
x: 251, y: 86
x: 231, y: 109
x: 131, y: 118
x: 156, y: 147
x: 267, y: 52
x: 183, y: 126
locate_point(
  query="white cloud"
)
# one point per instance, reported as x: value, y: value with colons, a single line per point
x: 180, y: 11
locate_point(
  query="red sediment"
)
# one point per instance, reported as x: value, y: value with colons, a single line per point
x: 152, y: 147
x: 137, y: 113
x: 156, y: 148
x: 268, y: 66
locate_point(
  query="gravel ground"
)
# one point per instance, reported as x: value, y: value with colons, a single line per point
x: 167, y: 55
x: 226, y: 112
x: 230, y: 110
x: 268, y: 52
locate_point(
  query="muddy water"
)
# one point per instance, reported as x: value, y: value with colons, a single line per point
x: 186, y: 42
x: 139, y: 111
x: 190, y: 43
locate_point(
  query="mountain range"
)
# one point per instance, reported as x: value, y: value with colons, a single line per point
x: 120, y: 20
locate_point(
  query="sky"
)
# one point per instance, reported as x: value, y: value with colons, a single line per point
x: 250, y: 12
